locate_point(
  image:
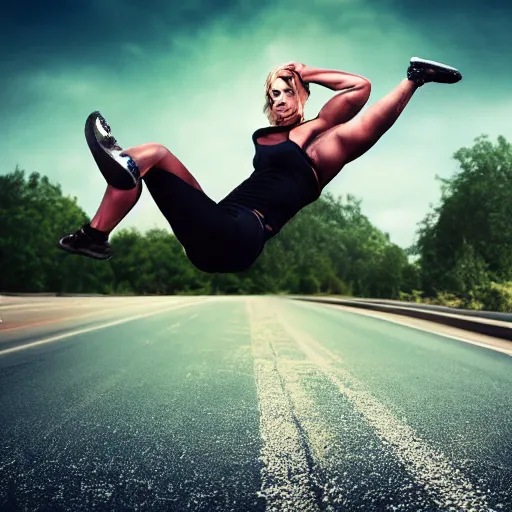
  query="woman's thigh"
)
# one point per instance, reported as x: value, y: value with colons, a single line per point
x: 215, y: 238
x: 152, y: 154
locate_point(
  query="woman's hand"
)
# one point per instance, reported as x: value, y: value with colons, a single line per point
x: 296, y: 66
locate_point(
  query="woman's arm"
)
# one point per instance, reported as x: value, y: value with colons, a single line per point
x: 354, y: 91
x: 332, y: 79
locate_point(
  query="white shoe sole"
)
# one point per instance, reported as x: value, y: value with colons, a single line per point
x: 112, y: 165
x: 418, y: 60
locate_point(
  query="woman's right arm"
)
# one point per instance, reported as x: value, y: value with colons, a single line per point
x: 332, y: 79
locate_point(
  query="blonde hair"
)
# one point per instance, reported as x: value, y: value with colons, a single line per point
x: 294, y: 80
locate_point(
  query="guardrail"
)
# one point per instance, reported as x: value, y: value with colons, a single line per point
x: 497, y: 325
x: 490, y: 315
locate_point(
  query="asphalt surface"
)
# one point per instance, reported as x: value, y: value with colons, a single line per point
x: 245, y: 404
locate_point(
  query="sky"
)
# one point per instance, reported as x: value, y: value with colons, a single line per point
x: 190, y: 76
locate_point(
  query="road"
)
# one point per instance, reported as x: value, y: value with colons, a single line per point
x: 245, y: 404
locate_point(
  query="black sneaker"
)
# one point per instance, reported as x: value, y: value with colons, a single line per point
x: 119, y: 170
x: 421, y: 71
x: 80, y: 242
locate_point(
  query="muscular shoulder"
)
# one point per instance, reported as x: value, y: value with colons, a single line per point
x: 308, y: 130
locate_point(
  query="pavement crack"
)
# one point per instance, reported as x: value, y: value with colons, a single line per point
x: 303, y: 437
x: 285, y: 463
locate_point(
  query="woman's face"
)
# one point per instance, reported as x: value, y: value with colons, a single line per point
x: 285, y: 103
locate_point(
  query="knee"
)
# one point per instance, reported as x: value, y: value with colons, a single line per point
x: 157, y: 154
x: 147, y: 151
x: 159, y: 150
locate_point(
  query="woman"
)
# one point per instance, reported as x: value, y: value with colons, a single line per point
x: 294, y: 161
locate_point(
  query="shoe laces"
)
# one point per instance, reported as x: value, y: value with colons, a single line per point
x: 417, y: 75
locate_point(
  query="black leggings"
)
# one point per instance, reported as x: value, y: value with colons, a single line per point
x: 216, y: 238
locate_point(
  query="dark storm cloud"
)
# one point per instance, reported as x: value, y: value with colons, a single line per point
x: 36, y: 34
x: 481, y: 30
x: 50, y: 37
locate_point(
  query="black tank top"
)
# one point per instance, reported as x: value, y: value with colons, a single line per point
x: 283, y: 181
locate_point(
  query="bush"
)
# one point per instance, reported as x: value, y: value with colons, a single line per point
x: 496, y: 296
x: 448, y: 299
x: 415, y: 296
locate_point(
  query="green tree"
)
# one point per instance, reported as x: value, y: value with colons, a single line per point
x: 330, y: 247
x: 34, y: 215
x: 466, y: 241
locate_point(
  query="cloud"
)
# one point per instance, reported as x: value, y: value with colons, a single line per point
x: 199, y: 91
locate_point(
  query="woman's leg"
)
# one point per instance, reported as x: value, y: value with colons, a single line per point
x: 152, y: 154
x: 215, y: 238
x: 205, y: 229
x: 116, y: 203
x: 344, y: 143
x: 114, y: 207
x: 92, y: 239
